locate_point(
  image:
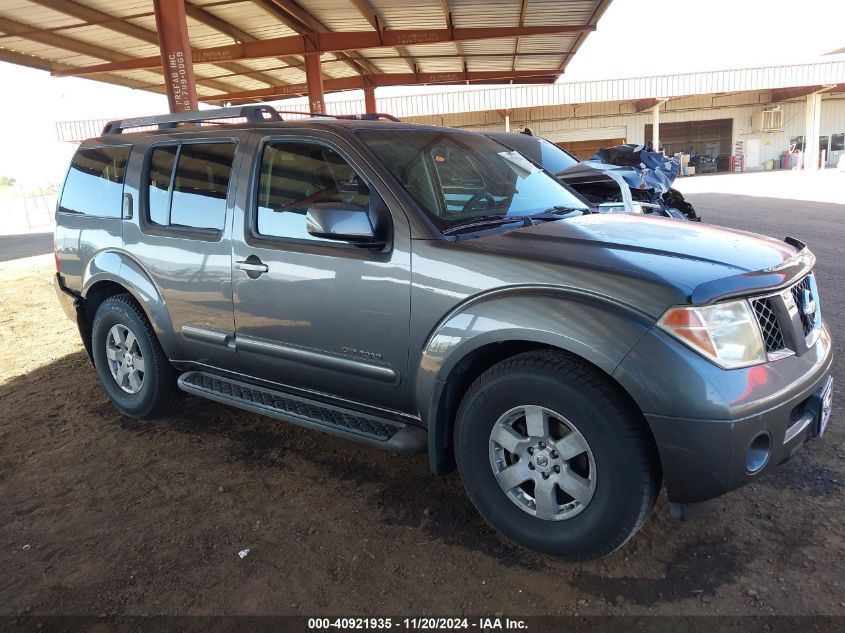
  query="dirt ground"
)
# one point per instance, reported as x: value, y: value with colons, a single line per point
x: 103, y: 515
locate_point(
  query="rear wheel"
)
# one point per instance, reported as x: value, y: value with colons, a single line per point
x: 554, y: 457
x: 132, y: 367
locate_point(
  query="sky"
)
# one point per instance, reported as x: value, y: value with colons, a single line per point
x: 633, y: 38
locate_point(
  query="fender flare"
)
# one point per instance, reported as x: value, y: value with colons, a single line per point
x: 595, y: 328
x: 120, y: 268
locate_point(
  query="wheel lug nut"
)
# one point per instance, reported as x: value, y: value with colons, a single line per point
x: 545, y: 475
x: 530, y: 450
x: 557, y: 469
x: 530, y: 466
x: 555, y: 455
x: 542, y: 445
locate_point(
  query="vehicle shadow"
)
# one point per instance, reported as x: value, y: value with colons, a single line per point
x: 59, y: 415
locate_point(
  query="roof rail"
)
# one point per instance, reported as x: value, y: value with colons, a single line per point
x: 252, y: 113
x: 357, y: 117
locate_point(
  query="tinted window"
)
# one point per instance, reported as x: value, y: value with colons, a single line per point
x: 94, y: 184
x: 555, y: 159
x: 194, y: 194
x: 296, y: 175
x: 158, y: 191
x: 837, y: 142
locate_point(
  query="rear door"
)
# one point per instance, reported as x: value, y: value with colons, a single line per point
x: 183, y: 196
x: 320, y: 315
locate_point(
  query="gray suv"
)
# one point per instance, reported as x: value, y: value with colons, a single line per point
x: 419, y: 288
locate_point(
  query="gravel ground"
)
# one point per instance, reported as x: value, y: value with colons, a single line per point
x: 104, y: 515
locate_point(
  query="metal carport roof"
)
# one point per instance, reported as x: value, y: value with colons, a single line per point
x: 246, y: 50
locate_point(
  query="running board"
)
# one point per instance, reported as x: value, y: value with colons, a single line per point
x: 361, y: 427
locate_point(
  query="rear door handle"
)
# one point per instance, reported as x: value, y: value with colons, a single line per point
x: 254, y: 266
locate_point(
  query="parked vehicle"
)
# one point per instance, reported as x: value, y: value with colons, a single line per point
x: 623, y: 178
x: 419, y: 288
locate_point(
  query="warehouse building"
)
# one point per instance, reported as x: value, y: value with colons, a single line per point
x: 741, y: 120
x: 755, y: 114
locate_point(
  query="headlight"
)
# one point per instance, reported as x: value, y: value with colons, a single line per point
x: 726, y: 333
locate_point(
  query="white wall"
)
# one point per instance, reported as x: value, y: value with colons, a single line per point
x: 619, y: 119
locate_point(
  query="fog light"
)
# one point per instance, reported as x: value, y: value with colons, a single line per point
x: 758, y: 452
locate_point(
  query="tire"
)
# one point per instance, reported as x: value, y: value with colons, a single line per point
x: 571, y: 398
x: 153, y: 392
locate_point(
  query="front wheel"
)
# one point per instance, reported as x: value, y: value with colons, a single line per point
x: 554, y: 457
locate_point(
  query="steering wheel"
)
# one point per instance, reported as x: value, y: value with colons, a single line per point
x: 476, y: 198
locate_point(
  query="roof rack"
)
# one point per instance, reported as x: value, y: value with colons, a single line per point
x: 376, y: 116
x: 252, y: 113
x: 258, y: 113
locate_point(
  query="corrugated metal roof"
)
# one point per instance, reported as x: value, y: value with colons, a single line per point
x: 629, y: 89
x: 61, y: 35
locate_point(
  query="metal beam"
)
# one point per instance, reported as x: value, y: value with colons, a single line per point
x: 391, y: 79
x: 10, y: 27
x: 370, y: 106
x: 784, y: 94
x: 239, y: 35
x: 93, y: 16
x: 298, y: 19
x: 172, y: 26
x: 644, y: 105
x: 594, y: 18
x: 336, y: 42
x: 522, y: 11
x: 314, y: 82
x: 39, y: 63
x: 369, y: 13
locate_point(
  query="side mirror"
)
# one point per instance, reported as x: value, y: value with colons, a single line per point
x: 342, y: 222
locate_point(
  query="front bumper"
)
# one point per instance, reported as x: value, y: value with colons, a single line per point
x: 705, y: 418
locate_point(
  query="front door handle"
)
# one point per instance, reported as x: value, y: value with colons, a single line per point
x: 252, y: 266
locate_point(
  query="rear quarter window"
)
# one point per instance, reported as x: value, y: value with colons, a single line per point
x: 94, y: 183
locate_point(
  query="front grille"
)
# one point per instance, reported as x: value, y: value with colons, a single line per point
x: 768, y: 309
x: 769, y: 325
x: 797, y: 290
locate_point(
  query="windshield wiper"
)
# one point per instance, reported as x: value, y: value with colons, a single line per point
x: 489, y: 220
x: 559, y: 212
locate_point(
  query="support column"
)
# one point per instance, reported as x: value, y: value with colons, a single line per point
x: 176, y: 60
x: 314, y: 80
x: 655, y: 127
x: 508, y: 122
x: 370, y: 100
x: 812, y: 129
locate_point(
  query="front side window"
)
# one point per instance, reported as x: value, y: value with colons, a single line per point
x: 456, y: 176
x: 188, y: 185
x: 295, y: 175
x: 94, y: 184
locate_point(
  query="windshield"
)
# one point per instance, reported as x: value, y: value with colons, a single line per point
x: 554, y: 158
x: 545, y: 153
x: 456, y: 177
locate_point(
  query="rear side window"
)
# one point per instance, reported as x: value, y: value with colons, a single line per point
x: 94, y: 184
x: 188, y: 185
x: 295, y: 175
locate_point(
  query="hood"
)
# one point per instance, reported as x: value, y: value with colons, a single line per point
x: 688, y: 254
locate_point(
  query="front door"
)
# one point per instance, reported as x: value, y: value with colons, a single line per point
x: 316, y: 314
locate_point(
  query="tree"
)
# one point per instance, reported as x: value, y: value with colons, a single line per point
x: 7, y: 182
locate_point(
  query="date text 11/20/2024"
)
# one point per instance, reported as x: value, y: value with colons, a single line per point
x: 418, y: 624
